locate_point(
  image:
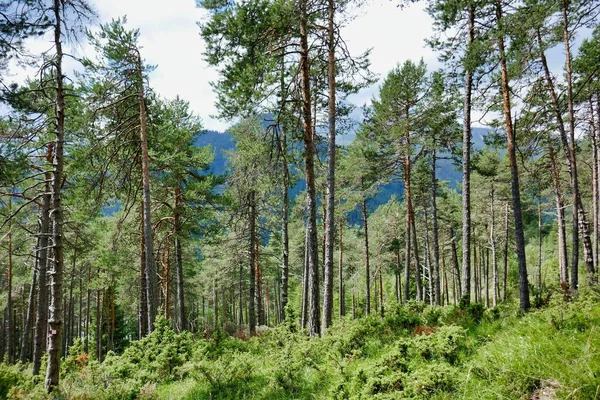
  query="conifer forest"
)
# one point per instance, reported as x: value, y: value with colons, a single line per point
x: 431, y: 232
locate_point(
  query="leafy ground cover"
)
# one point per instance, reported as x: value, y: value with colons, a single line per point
x: 414, y: 352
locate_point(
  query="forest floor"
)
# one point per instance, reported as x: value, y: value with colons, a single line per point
x: 414, y: 352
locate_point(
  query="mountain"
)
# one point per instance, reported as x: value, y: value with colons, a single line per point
x: 446, y: 170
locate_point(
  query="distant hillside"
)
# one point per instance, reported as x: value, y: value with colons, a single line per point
x: 447, y: 171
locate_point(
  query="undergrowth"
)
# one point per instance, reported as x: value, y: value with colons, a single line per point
x: 414, y: 352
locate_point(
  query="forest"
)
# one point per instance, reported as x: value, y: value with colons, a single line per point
x: 448, y: 250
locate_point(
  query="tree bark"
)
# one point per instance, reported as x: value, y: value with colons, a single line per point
x: 505, y: 275
x: 252, y: 251
x: 181, y: 315
x: 143, y: 305
x: 152, y: 292
x: 330, y: 214
x: 367, y: 258
x: 26, y: 334
x: 514, y: 170
x: 41, y: 322
x: 493, y: 247
x: 420, y: 292
x: 539, y: 266
x: 260, y: 311
x: 595, y: 202
x: 435, y: 236
x: 342, y: 292
x: 56, y: 273
x: 285, y: 272
x: 309, y: 155
x: 10, y: 327
x: 563, y: 260
x: 466, y: 169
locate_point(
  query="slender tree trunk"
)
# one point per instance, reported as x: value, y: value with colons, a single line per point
x: 215, y: 304
x: 252, y: 251
x: 342, y: 292
x: 26, y: 334
x: 456, y: 275
x: 581, y: 215
x: 330, y: 214
x: 476, y: 287
x: 539, y: 266
x: 397, y: 276
x: 563, y: 262
x: 435, y: 236
x: 241, y: 294
x: 181, y: 315
x: 487, y: 277
x: 260, y: 311
x: 428, y: 267
x: 595, y: 202
x: 494, y: 253
x: 167, y: 280
x: 466, y: 168
x: 367, y: 259
x: 407, y: 250
x: 285, y: 273
x: 418, y: 280
x: 446, y: 295
x: 99, y: 323
x: 309, y: 155
x: 10, y: 327
x: 87, y: 310
x: 143, y: 302
x: 56, y: 273
x: 514, y: 170
x: 152, y: 292
x: 41, y: 304
x: 305, y: 282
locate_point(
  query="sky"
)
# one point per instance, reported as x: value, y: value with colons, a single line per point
x: 170, y: 39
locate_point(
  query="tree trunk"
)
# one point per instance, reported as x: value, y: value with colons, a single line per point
x: 494, y: 255
x: 285, y: 273
x: 143, y: 302
x: 252, y: 251
x: 10, y: 327
x: 539, y: 266
x: 241, y: 292
x: 304, y: 315
x: 342, y: 292
x: 580, y: 225
x: 152, y: 292
x: 435, y: 236
x: 330, y: 214
x: 407, y: 248
x: 167, y: 279
x: 456, y: 280
x: 563, y: 262
x: 55, y: 307
x: 309, y: 155
x: 367, y: 259
x: 99, y: 324
x: 181, y: 315
x: 87, y: 310
x: 581, y: 216
x: 595, y: 202
x: 514, y: 170
x: 260, y: 311
x: 420, y: 294
x: 215, y: 305
x: 26, y: 334
x: 466, y: 169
